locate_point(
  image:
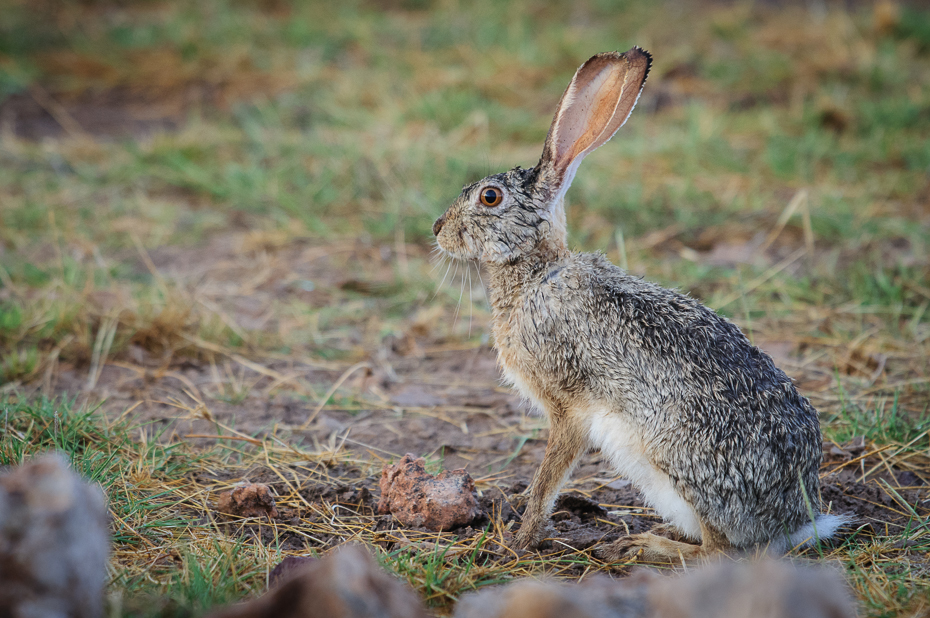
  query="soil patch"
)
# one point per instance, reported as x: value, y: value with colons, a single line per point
x: 457, y: 416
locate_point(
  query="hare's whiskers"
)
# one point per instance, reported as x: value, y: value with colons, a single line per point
x: 437, y: 260
x: 471, y: 303
x: 439, y: 287
x: 458, y: 305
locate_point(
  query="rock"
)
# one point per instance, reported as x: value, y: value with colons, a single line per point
x: 418, y: 499
x: 347, y: 583
x: 54, y: 542
x: 768, y: 589
x: 597, y: 597
x: 247, y: 500
x: 287, y: 568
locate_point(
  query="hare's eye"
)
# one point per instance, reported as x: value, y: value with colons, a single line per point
x: 491, y: 196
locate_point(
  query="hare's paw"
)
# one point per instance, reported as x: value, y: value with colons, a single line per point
x: 527, y: 538
x: 623, y: 549
x: 668, y: 531
x: 649, y: 547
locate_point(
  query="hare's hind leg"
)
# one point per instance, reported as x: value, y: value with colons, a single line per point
x: 650, y: 547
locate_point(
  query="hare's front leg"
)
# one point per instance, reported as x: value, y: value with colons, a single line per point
x: 566, y: 444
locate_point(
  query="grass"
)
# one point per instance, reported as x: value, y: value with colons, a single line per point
x: 262, y: 187
x: 153, y: 516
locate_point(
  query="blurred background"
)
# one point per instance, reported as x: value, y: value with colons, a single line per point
x: 778, y: 159
x: 165, y: 168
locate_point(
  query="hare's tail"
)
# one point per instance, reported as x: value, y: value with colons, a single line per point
x: 824, y: 527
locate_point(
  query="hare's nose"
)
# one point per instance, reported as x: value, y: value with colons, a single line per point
x: 438, y: 225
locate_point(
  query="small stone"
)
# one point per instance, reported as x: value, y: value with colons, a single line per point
x: 54, y: 542
x: 855, y: 446
x: 247, y: 500
x: 287, y: 568
x: 347, y: 583
x: 418, y: 499
x: 838, y: 452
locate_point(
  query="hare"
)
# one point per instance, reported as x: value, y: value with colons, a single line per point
x: 715, y: 437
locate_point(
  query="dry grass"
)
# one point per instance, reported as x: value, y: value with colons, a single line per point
x: 215, y: 219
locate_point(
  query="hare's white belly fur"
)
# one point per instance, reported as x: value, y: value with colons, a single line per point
x: 625, y: 451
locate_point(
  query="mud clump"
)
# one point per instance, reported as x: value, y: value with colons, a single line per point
x: 247, y: 500
x: 726, y: 590
x: 54, y: 542
x: 347, y: 583
x: 418, y: 499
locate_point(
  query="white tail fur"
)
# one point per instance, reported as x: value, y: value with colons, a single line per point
x: 823, y: 528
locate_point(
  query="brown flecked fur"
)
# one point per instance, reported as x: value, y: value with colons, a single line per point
x: 716, y: 437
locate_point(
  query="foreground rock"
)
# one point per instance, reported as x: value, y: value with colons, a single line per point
x: 287, y: 568
x: 347, y: 583
x: 54, y: 542
x: 599, y: 597
x: 726, y: 590
x: 766, y: 589
x: 247, y: 500
x: 418, y: 499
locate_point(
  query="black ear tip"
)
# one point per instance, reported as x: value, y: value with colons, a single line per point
x: 637, y: 53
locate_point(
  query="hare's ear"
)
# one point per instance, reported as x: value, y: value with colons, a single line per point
x: 596, y: 103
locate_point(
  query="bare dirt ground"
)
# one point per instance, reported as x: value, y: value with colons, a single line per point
x: 411, y: 392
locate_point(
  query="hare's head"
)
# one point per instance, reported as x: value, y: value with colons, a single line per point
x: 505, y: 216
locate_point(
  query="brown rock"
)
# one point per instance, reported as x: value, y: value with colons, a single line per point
x: 247, y: 500
x: 54, y: 542
x: 287, y: 568
x: 418, y: 499
x: 768, y: 589
x: 347, y: 583
x: 597, y: 597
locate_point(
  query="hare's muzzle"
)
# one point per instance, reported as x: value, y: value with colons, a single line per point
x: 437, y: 227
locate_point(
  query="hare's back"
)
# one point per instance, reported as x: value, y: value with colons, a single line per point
x: 656, y: 326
